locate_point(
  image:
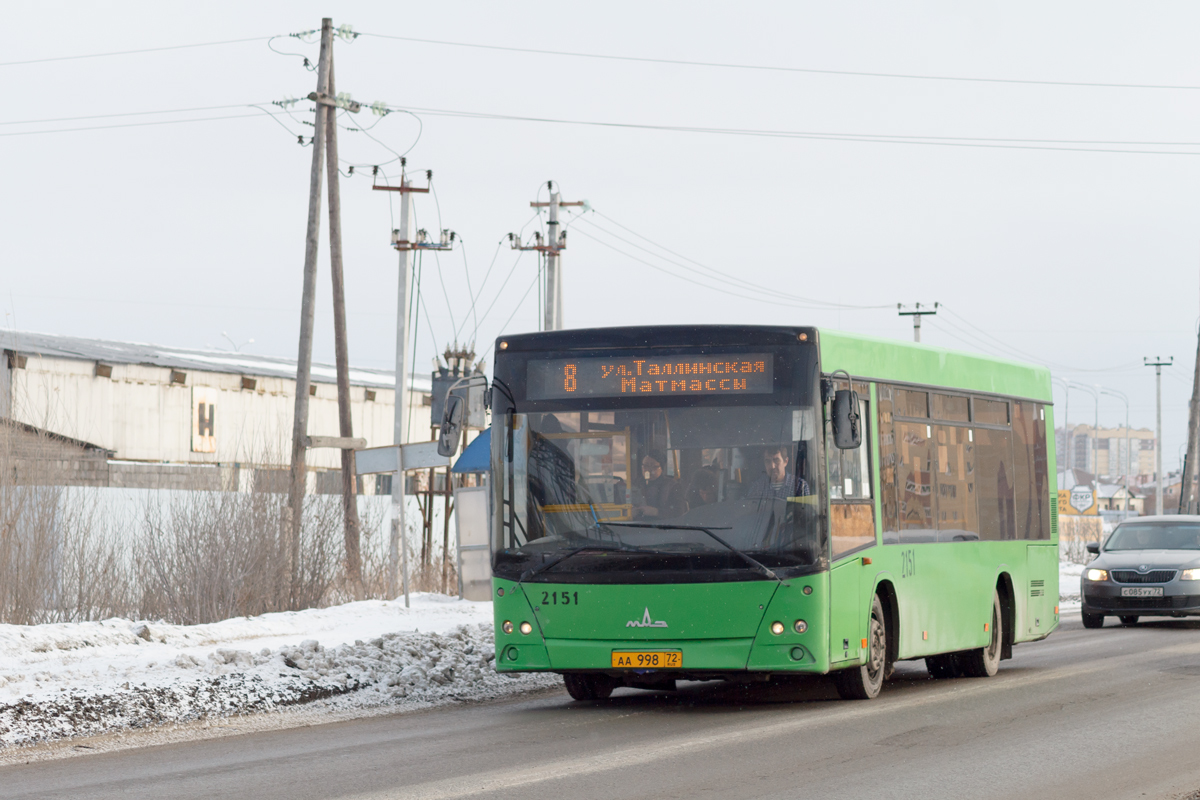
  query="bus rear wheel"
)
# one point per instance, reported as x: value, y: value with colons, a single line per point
x: 865, y: 682
x: 588, y: 687
x: 985, y: 661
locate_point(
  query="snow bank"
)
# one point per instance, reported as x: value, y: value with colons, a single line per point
x: 82, y: 679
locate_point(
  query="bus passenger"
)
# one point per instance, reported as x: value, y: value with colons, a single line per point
x: 662, y: 496
x: 703, y: 488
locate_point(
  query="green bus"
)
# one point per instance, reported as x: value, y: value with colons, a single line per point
x: 740, y: 502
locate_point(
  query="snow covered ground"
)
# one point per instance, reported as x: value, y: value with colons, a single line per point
x: 83, y: 679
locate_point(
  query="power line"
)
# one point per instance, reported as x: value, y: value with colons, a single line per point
x: 803, y: 70
x: 142, y: 124
x: 693, y: 281
x: 124, y: 114
x: 716, y: 274
x: 932, y: 141
x: 133, y: 52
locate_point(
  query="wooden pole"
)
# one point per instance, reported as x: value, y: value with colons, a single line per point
x: 345, y: 425
x: 308, y: 299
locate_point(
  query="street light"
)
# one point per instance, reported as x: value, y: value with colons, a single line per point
x: 1128, y: 453
x: 1066, y: 385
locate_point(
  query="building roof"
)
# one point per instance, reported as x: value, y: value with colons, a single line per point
x: 110, y: 352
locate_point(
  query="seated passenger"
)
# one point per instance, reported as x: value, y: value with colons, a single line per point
x: 662, y: 496
x: 703, y: 488
x: 778, y: 480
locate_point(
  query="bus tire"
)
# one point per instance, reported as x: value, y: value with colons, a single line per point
x: 984, y: 662
x: 1092, y: 620
x: 1128, y: 619
x: 866, y: 681
x: 588, y: 687
x: 943, y: 666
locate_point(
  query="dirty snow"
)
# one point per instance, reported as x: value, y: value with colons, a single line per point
x: 84, y: 679
x: 1069, y: 577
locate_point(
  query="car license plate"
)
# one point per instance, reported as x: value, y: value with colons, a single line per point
x: 647, y: 659
x: 1141, y: 591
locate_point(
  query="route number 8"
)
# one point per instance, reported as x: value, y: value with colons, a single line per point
x: 569, y: 378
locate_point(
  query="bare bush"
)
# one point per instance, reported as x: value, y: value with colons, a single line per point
x: 205, y: 556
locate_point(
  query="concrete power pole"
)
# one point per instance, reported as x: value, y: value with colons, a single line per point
x: 556, y: 242
x: 916, y: 314
x: 296, y: 484
x: 1158, y: 364
x: 1189, y: 503
x: 405, y: 243
x: 345, y: 426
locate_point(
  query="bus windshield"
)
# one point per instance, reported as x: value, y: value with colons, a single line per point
x: 636, y: 494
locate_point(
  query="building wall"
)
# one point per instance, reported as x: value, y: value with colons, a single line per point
x: 1110, y: 455
x: 141, y: 416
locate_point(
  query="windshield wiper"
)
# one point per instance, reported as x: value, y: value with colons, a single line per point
x: 545, y: 565
x: 758, y: 567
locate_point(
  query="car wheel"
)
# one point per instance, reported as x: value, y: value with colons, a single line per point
x: 865, y: 682
x: 589, y: 687
x: 1092, y: 620
x: 984, y: 662
x: 1128, y: 619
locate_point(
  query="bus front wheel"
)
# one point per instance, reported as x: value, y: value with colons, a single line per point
x: 588, y: 687
x: 865, y: 682
x: 985, y: 662
x: 1092, y: 620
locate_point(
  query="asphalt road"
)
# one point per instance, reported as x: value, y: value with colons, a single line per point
x: 1106, y: 713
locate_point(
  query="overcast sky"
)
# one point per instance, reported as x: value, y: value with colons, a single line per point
x: 175, y: 233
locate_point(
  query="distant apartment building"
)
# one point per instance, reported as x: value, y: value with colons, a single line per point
x: 1114, y: 454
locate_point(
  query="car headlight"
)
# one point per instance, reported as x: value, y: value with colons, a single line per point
x: 1097, y: 575
x: 1190, y: 575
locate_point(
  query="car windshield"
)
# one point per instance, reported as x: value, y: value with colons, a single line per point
x: 634, y: 490
x: 1155, y: 536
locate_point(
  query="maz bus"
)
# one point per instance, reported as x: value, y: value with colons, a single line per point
x: 736, y: 502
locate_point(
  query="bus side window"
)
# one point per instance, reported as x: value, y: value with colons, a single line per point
x: 852, y: 514
x: 888, y: 503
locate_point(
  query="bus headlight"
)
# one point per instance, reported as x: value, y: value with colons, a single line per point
x: 507, y: 626
x: 801, y: 626
x: 1096, y: 574
x: 1190, y: 575
x: 526, y: 628
x: 776, y: 627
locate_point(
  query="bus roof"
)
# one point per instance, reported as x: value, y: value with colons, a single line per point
x: 909, y: 362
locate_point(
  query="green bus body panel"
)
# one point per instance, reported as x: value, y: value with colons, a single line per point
x: 943, y: 591
x: 891, y: 360
x: 717, y: 626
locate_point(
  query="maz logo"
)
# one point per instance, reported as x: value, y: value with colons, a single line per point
x: 645, y: 622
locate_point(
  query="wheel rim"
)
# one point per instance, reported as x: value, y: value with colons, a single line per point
x: 993, y: 651
x: 877, y: 652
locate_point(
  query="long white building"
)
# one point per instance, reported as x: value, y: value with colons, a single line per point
x: 155, y: 416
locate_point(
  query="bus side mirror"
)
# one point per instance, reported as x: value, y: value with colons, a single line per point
x: 1093, y: 548
x: 847, y: 422
x: 452, y: 425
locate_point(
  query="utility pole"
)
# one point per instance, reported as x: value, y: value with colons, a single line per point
x: 916, y: 314
x: 304, y: 358
x: 1158, y: 364
x: 403, y: 241
x: 556, y: 242
x: 345, y: 426
x: 1188, y: 504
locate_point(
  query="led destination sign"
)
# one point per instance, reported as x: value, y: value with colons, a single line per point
x: 743, y: 373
